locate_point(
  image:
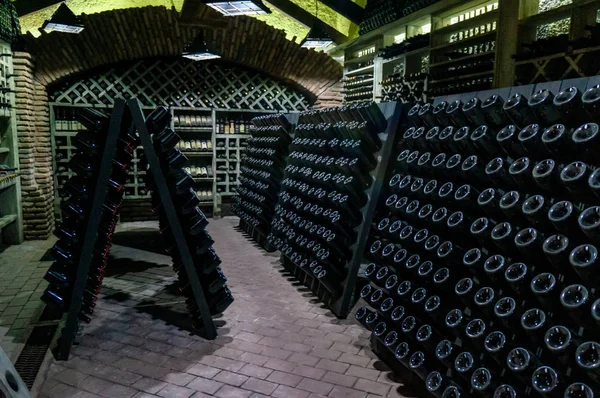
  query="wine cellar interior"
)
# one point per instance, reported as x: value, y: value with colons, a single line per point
x: 296, y: 198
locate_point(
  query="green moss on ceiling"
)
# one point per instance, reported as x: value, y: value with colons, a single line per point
x: 281, y: 21
x: 33, y: 21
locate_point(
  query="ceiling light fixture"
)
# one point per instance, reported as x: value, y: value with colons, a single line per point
x: 317, y: 38
x: 198, y: 50
x: 238, y: 7
x: 63, y: 20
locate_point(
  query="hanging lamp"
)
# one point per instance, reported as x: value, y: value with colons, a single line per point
x: 317, y: 38
x: 238, y: 7
x: 198, y: 50
x: 63, y: 20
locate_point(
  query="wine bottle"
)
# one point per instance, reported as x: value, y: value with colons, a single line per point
x: 506, y: 310
x: 473, y: 261
x: 493, y: 110
x: 446, y: 352
x: 503, y: 236
x: 557, y: 250
x: 568, y: 103
x: 483, y: 139
x: 576, y: 300
x: 496, y: 345
x: 585, y: 137
x: 511, y: 204
x: 520, y: 171
x: 584, y: 260
x: 575, y: 177
x: 589, y: 222
x: 562, y: 344
x: 494, y: 266
x: 482, y: 381
x: 546, y: 381
x: 472, y: 110
x: 464, y: 364
x: 529, y: 242
x: 557, y: 140
x: 521, y: 363
x: 546, y: 290
x: 481, y: 229
x: 484, y: 300
x: 544, y: 108
x: 529, y: 139
x: 579, y: 390
x: 455, y: 113
x: 535, y: 208
x: 517, y: 108
x: 595, y: 311
x: 533, y: 321
x: 435, y: 383
x: 403, y: 354
x: 497, y: 172
x: 509, y: 142
x: 588, y: 359
x: 475, y: 332
x: 546, y: 175
x: 456, y: 321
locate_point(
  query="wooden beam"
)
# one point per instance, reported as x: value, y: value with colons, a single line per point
x: 306, y: 18
x: 347, y: 8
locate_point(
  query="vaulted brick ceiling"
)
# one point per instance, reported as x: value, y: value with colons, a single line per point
x: 292, y: 16
x: 128, y: 34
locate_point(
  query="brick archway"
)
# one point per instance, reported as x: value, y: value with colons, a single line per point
x: 118, y: 36
x: 124, y: 35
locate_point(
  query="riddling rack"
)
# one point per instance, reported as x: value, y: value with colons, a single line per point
x: 262, y: 170
x: 330, y: 188
x: 95, y: 194
x: 483, y: 266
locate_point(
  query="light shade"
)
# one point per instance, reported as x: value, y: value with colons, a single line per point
x: 198, y: 50
x: 63, y: 20
x: 238, y: 7
x: 317, y: 38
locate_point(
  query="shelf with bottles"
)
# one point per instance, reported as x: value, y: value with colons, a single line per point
x: 464, y: 70
x: 496, y: 187
x: 65, y: 121
x: 232, y: 123
x: 192, y: 121
x: 357, y: 81
x: 464, y: 84
x: 397, y: 87
x: 534, y: 13
x: 467, y: 17
x: 406, y: 47
x: 360, y: 69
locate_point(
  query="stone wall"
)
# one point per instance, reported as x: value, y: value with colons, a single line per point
x: 35, y: 149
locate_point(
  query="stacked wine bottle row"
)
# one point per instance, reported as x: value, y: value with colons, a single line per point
x: 327, y: 183
x: 192, y: 220
x: 262, y: 170
x: 76, y: 209
x: 485, y: 257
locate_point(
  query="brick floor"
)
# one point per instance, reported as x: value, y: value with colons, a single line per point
x: 275, y: 340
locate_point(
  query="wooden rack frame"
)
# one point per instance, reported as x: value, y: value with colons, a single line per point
x: 133, y: 111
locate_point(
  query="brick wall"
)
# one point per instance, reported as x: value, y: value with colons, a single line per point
x: 35, y: 149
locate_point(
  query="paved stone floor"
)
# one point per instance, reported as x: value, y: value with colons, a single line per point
x: 275, y: 340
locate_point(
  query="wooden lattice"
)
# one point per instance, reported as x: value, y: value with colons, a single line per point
x: 182, y: 83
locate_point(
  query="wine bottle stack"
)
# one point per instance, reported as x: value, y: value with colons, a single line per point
x: 192, y: 220
x: 324, y: 188
x: 404, y: 89
x: 78, y: 193
x: 484, y: 259
x: 262, y: 170
x: 411, y: 44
